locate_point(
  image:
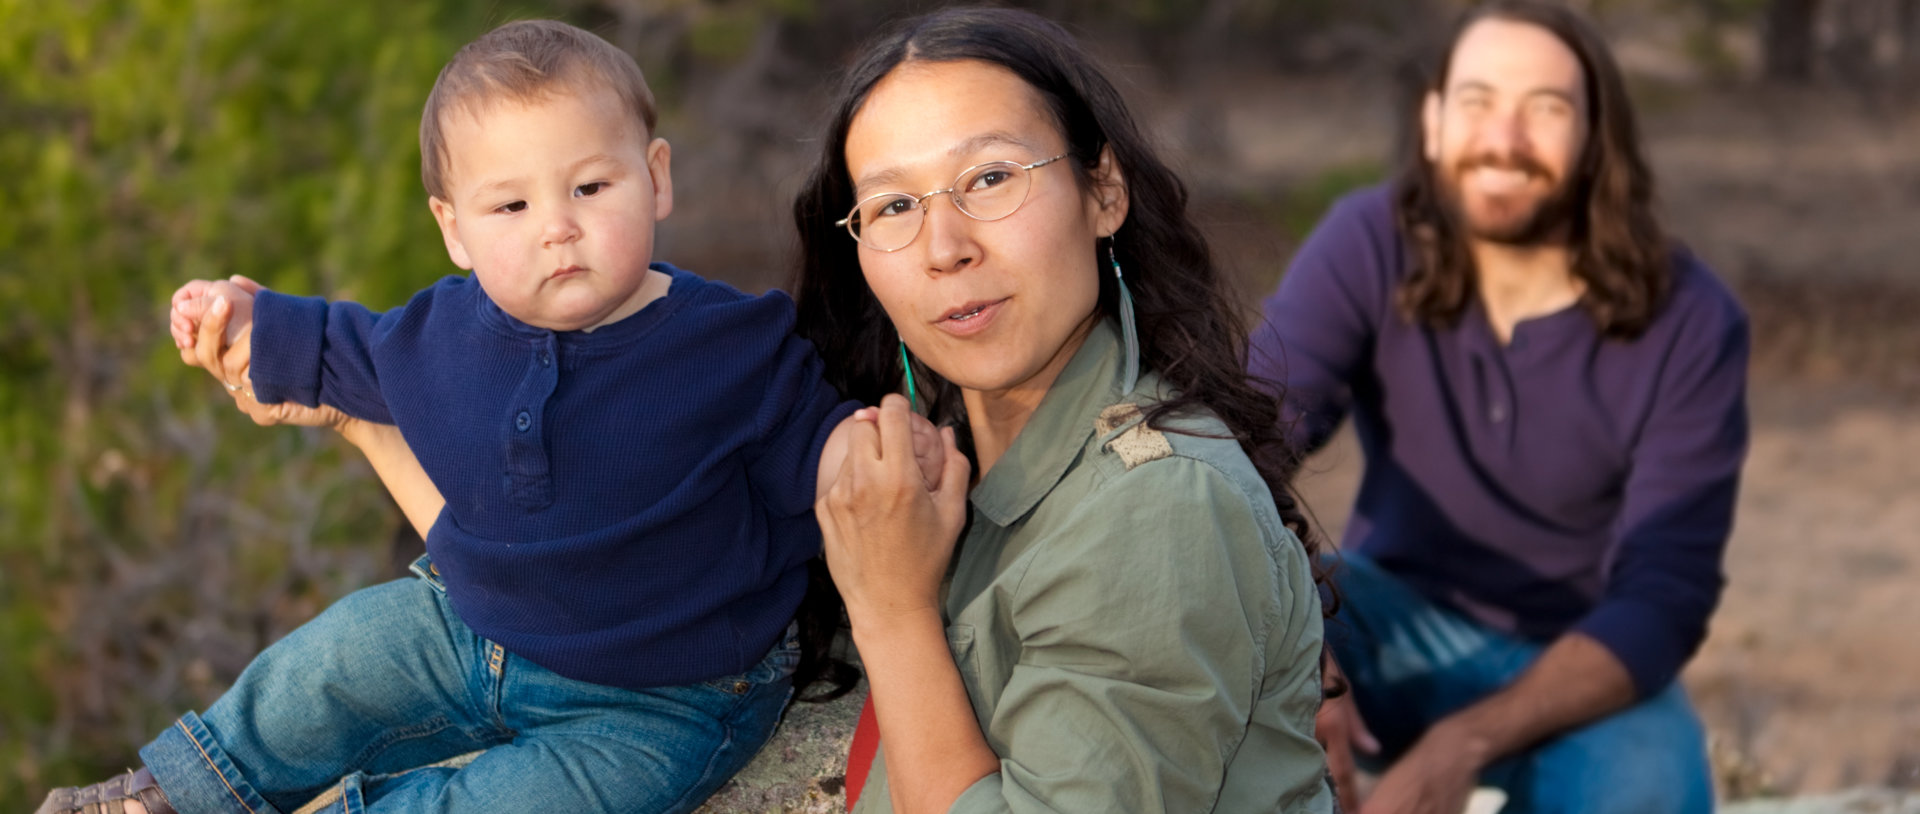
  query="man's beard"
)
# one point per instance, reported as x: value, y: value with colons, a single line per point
x: 1543, y: 221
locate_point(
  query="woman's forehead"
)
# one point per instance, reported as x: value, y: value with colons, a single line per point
x: 932, y: 115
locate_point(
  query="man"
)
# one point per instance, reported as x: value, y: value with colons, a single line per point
x: 1550, y: 397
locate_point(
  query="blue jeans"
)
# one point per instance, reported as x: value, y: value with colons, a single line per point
x: 389, y: 680
x: 1412, y: 662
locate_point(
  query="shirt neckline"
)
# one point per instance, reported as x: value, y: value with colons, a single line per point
x: 632, y: 327
x: 1054, y: 436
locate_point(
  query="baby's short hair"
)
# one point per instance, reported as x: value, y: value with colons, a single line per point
x: 525, y: 61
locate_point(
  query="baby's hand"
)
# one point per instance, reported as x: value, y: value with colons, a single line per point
x: 190, y: 306
x: 184, y: 312
x: 929, y: 450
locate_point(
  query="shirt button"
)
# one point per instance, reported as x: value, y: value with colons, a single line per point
x: 546, y: 359
x: 524, y: 420
x: 1497, y: 413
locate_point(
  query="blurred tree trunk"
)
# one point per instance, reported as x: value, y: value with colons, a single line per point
x: 1909, y: 16
x: 1789, y: 40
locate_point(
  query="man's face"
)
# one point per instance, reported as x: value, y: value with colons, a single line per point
x: 1505, y: 135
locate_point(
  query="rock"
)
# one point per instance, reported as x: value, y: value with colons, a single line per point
x: 1856, y: 801
x: 803, y: 769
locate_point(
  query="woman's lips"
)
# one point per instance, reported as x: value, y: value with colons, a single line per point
x: 971, y: 318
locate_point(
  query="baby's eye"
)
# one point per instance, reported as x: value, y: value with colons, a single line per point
x: 516, y: 206
x: 589, y: 190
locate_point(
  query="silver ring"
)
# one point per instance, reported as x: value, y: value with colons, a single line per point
x: 232, y: 388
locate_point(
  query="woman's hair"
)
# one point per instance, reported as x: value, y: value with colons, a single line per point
x: 1618, y: 248
x: 1190, y: 328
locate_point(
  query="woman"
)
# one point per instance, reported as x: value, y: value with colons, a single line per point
x: 1130, y: 625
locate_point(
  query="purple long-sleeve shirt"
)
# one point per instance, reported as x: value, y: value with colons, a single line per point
x: 1565, y: 481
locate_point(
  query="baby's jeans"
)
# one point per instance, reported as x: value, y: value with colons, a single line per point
x: 359, y: 703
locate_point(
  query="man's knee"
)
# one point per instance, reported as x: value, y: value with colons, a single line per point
x: 1649, y: 758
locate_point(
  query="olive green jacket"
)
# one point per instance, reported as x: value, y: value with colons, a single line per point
x: 1136, y: 629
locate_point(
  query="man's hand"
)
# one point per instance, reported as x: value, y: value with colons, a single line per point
x: 1436, y: 776
x: 1340, y: 731
x: 1576, y: 680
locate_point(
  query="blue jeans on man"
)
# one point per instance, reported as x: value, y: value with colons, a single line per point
x: 366, y: 697
x: 1412, y: 662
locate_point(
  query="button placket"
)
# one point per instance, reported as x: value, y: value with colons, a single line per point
x: 529, y: 478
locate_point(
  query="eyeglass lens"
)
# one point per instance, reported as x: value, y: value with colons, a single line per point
x: 987, y: 192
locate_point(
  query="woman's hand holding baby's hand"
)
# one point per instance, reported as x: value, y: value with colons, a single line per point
x: 891, y: 517
x: 210, y: 343
x: 225, y: 351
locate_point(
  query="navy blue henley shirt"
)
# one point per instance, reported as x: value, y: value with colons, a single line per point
x: 631, y: 506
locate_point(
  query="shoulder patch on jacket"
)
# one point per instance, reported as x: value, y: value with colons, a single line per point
x: 1139, y: 444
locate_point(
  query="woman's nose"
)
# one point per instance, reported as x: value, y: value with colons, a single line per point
x: 949, y: 235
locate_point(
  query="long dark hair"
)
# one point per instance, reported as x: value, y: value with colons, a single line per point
x: 1619, y: 251
x: 1191, y: 331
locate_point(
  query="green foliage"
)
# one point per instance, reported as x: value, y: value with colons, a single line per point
x: 144, y: 143
x: 1296, y: 210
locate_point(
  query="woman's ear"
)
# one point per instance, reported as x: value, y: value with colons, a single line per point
x: 1107, y: 198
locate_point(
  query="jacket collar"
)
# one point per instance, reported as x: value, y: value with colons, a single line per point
x: 1057, y: 433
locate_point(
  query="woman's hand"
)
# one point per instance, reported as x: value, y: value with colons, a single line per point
x: 889, y: 530
x: 383, y: 445
x: 229, y: 363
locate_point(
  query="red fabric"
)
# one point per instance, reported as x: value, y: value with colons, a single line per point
x: 866, y: 743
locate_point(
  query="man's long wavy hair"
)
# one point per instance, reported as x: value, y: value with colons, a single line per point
x: 1190, y: 328
x: 1619, y: 251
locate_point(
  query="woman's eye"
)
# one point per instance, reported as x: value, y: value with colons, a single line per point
x: 897, y: 206
x: 990, y: 178
x: 516, y: 206
x: 589, y: 190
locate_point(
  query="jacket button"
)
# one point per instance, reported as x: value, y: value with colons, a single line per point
x: 546, y: 359
x: 524, y: 420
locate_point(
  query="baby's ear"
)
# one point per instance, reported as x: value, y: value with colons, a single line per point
x: 443, y: 214
x: 660, y: 171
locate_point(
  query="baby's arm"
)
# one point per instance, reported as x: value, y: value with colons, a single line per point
x: 383, y: 445
x: 928, y: 450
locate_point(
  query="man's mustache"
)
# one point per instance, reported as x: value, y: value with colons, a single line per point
x: 1510, y: 161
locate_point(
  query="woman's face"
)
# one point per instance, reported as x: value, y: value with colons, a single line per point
x: 990, y: 306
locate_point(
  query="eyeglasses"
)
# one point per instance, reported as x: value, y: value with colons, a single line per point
x: 987, y: 192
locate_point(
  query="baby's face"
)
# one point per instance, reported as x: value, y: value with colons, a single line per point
x: 552, y: 206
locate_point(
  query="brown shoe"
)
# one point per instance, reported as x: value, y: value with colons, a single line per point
x: 110, y: 797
